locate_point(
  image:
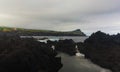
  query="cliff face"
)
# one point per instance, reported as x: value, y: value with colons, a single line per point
x: 78, y: 31
x: 35, y: 32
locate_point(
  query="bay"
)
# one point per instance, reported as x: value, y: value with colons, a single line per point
x: 53, y: 38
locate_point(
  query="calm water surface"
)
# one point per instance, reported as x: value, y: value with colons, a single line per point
x: 77, y: 64
x: 74, y: 38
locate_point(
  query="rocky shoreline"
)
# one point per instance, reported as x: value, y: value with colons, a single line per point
x: 102, y: 49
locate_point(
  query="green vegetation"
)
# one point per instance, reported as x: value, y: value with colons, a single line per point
x: 36, y: 32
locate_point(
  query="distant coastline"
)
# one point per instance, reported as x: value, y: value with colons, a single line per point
x: 36, y: 32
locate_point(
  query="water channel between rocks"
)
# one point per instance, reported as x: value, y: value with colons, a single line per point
x: 78, y: 64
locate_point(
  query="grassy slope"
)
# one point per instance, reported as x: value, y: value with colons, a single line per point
x: 42, y: 31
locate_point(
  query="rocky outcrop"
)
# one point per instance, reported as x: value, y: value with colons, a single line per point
x: 27, y: 55
x: 104, y: 50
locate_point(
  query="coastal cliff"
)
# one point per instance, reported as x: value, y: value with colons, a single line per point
x: 38, y: 32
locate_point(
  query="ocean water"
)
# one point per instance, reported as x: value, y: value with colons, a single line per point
x: 53, y: 38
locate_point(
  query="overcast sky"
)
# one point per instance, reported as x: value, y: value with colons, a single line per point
x: 62, y: 15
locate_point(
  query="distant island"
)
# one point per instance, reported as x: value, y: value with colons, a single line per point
x: 37, y: 32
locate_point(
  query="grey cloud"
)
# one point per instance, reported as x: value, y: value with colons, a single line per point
x: 88, y: 15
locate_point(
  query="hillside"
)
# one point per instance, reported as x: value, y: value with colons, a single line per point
x: 36, y: 32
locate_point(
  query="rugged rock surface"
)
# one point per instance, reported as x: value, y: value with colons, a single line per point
x: 104, y: 50
x: 26, y: 55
